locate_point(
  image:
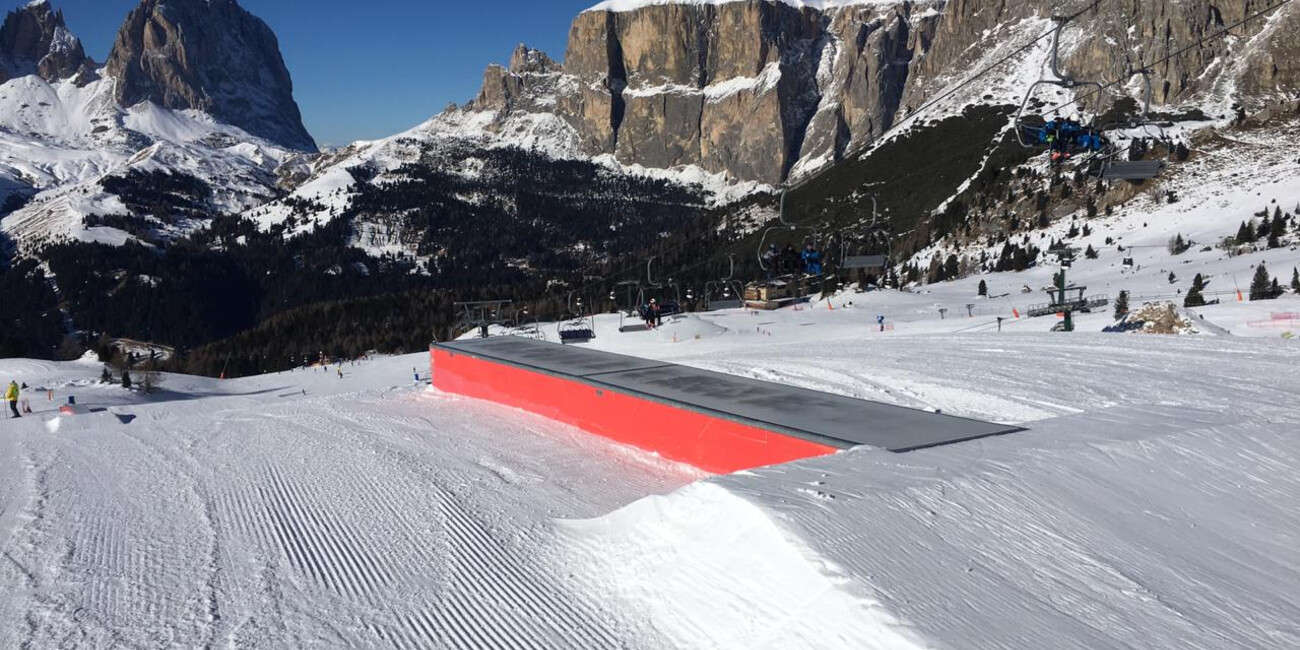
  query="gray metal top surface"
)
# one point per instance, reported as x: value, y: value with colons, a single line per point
x: 809, y: 414
x: 1134, y: 170
x: 550, y: 357
x: 864, y: 262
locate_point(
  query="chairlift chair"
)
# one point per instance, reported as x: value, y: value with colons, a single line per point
x: 578, y: 328
x: 785, y: 226
x: 726, y: 293
x: 1096, y: 151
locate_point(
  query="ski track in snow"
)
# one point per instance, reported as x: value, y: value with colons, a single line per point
x: 302, y: 524
x: 1148, y: 505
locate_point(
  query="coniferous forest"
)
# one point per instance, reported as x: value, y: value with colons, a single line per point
x: 235, y: 298
x: 524, y: 223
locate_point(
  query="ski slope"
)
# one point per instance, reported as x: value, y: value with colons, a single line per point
x: 363, y: 513
x: 1149, y: 505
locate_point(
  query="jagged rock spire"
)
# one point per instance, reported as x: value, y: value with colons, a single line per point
x: 209, y: 55
x: 35, y: 40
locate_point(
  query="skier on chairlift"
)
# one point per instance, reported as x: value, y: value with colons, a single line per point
x: 653, y: 314
x: 771, y: 260
x: 812, y: 260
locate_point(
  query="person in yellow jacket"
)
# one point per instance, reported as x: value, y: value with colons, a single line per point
x: 11, y: 396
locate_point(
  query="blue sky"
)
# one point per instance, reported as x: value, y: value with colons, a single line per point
x: 368, y: 69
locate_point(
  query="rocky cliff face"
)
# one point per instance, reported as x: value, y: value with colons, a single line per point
x: 209, y: 55
x: 35, y: 40
x: 761, y: 89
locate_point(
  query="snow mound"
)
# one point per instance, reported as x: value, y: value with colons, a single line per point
x: 688, y: 327
x: 710, y: 569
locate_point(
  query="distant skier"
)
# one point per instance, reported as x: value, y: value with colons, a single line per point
x: 880, y: 320
x: 11, y: 396
x: 340, y: 372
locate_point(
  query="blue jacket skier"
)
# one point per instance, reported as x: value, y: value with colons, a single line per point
x: 812, y: 260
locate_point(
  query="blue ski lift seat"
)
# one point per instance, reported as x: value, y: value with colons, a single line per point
x: 581, y: 330
x: 1131, y: 170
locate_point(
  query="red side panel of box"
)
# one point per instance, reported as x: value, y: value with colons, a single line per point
x: 708, y: 442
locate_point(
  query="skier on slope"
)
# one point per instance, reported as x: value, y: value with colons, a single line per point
x: 11, y: 396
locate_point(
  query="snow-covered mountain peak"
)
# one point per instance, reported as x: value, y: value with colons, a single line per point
x: 35, y: 40
x: 212, y: 56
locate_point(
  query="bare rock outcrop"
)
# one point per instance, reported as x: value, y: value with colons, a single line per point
x: 763, y: 89
x: 208, y: 55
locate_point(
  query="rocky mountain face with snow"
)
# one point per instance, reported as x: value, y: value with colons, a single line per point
x: 212, y: 56
x: 182, y: 163
x: 761, y: 89
x: 193, y: 89
x: 35, y: 40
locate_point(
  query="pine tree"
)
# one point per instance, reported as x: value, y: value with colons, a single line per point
x: 105, y: 377
x: 1295, y: 279
x: 1261, y: 284
x: 126, y: 379
x: 984, y: 288
x: 1245, y: 234
x: 1121, y: 305
x: 1173, y: 279
x: 1091, y: 253
x: 1194, y: 296
x: 951, y: 268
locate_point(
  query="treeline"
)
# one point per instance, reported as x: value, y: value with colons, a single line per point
x: 393, y: 323
x: 345, y: 329
x: 31, y: 324
x: 519, y: 227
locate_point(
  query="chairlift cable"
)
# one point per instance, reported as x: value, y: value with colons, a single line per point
x: 1204, y: 39
x: 1222, y: 32
x: 913, y: 115
x: 953, y: 91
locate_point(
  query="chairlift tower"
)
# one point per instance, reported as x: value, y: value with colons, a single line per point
x: 480, y: 315
x: 1060, y: 292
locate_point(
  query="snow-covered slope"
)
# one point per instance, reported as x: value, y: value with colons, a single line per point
x: 60, y: 140
x: 1146, y: 506
x: 1233, y: 177
x: 331, y: 187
